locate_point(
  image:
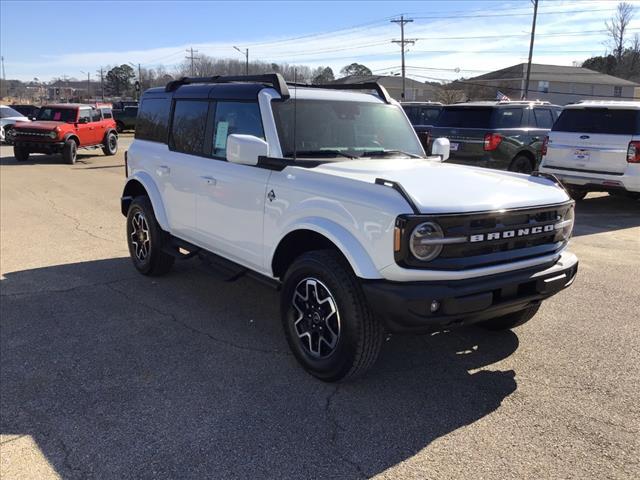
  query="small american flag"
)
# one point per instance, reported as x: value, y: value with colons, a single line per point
x: 502, y: 97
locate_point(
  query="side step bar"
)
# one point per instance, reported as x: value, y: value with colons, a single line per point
x: 222, y: 269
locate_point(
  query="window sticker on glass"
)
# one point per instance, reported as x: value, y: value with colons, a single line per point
x: 221, y: 135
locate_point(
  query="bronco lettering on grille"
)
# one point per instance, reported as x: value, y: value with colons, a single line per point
x: 520, y: 232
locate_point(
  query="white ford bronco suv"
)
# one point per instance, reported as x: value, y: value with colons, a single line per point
x: 326, y: 193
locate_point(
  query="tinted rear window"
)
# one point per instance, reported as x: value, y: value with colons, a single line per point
x: 422, y: 115
x: 507, y: 118
x: 598, y: 120
x: 465, y: 117
x: 153, y: 119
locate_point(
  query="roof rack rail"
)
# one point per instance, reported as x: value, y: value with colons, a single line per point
x: 274, y: 79
x: 380, y: 90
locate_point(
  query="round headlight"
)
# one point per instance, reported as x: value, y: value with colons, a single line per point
x: 424, y: 242
x: 567, y: 223
x: 53, y: 134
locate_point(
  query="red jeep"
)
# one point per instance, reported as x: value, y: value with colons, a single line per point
x: 64, y: 129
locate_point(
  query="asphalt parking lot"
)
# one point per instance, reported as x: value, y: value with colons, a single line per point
x: 108, y: 374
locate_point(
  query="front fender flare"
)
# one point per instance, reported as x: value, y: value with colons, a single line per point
x: 154, y: 196
x: 344, y: 240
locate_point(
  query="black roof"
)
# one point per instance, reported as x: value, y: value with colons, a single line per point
x: 227, y: 91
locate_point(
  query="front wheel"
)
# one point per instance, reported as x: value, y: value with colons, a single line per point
x: 110, y: 146
x: 145, y: 239
x: 328, y: 324
x: 512, y: 320
x: 20, y: 154
x: 70, y: 151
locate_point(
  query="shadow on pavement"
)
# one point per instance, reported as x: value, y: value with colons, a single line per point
x: 116, y: 375
x: 44, y: 159
x: 603, y: 213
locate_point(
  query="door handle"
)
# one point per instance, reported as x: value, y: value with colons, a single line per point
x: 209, y: 180
x: 163, y: 170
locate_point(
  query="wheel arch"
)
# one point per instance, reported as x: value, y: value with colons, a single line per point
x: 315, y: 234
x: 109, y: 130
x: 142, y: 184
x: 73, y: 137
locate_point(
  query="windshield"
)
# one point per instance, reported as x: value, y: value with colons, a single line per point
x: 598, y: 120
x: 344, y: 129
x: 6, y: 112
x: 58, y: 114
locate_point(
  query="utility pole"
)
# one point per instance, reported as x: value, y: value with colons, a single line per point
x: 101, y: 84
x: 192, y: 58
x: 246, y: 55
x: 525, y: 94
x: 402, y: 43
x: 4, y: 78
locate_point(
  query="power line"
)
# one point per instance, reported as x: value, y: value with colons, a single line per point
x: 493, y: 15
x: 549, y: 34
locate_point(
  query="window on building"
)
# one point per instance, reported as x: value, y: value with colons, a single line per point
x: 543, y: 86
x: 189, y: 124
x: 617, y: 91
x: 235, y: 117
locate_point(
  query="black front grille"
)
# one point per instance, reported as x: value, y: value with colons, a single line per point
x: 31, y: 132
x: 490, y: 238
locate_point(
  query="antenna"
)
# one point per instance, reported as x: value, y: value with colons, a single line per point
x: 295, y: 105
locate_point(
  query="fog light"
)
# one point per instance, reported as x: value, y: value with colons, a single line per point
x: 435, y: 305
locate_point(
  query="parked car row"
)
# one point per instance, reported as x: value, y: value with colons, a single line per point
x: 590, y: 146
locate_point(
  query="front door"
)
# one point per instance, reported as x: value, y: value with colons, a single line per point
x: 230, y: 198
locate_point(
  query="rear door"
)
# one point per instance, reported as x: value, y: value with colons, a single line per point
x: 593, y: 139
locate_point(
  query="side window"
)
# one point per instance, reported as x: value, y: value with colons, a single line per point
x: 188, y: 127
x: 85, y: 115
x: 235, y: 117
x: 96, y: 115
x: 153, y: 119
x: 106, y: 113
x: 544, y: 118
x: 508, y: 118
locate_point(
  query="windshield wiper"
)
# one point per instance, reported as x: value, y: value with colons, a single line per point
x: 320, y: 153
x: 381, y: 153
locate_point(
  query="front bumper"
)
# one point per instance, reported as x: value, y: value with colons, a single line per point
x: 405, y: 306
x: 40, y: 147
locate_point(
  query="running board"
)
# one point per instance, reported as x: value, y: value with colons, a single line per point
x: 221, y: 268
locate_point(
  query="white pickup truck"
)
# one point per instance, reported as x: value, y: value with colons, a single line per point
x: 326, y: 194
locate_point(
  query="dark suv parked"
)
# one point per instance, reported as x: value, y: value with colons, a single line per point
x: 500, y: 135
x: 423, y: 116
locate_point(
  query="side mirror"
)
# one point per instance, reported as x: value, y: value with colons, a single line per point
x: 245, y: 149
x: 441, y: 147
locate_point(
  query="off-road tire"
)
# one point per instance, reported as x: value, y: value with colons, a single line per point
x: 110, y: 146
x: 360, y: 332
x: 576, y: 193
x: 512, y: 320
x: 521, y: 164
x: 156, y: 261
x: 21, y: 154
x: 70, y: 151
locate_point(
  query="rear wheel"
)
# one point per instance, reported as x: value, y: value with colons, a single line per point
x: 512, y: 320
x: 576, y: 193
x: 521, y: 164
x: 70, y: 151
x: 21, y: 154
x: 328, y: 324
x: 145, y: 239
x: 110, y: 146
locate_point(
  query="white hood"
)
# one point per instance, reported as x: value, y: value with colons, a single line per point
x: 446, y: 188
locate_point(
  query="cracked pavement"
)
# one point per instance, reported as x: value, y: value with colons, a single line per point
x: 106, y: 374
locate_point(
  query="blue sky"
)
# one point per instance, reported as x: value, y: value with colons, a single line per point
x: 455, y: 38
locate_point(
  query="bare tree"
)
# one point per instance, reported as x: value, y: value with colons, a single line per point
x: 617, y: 28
